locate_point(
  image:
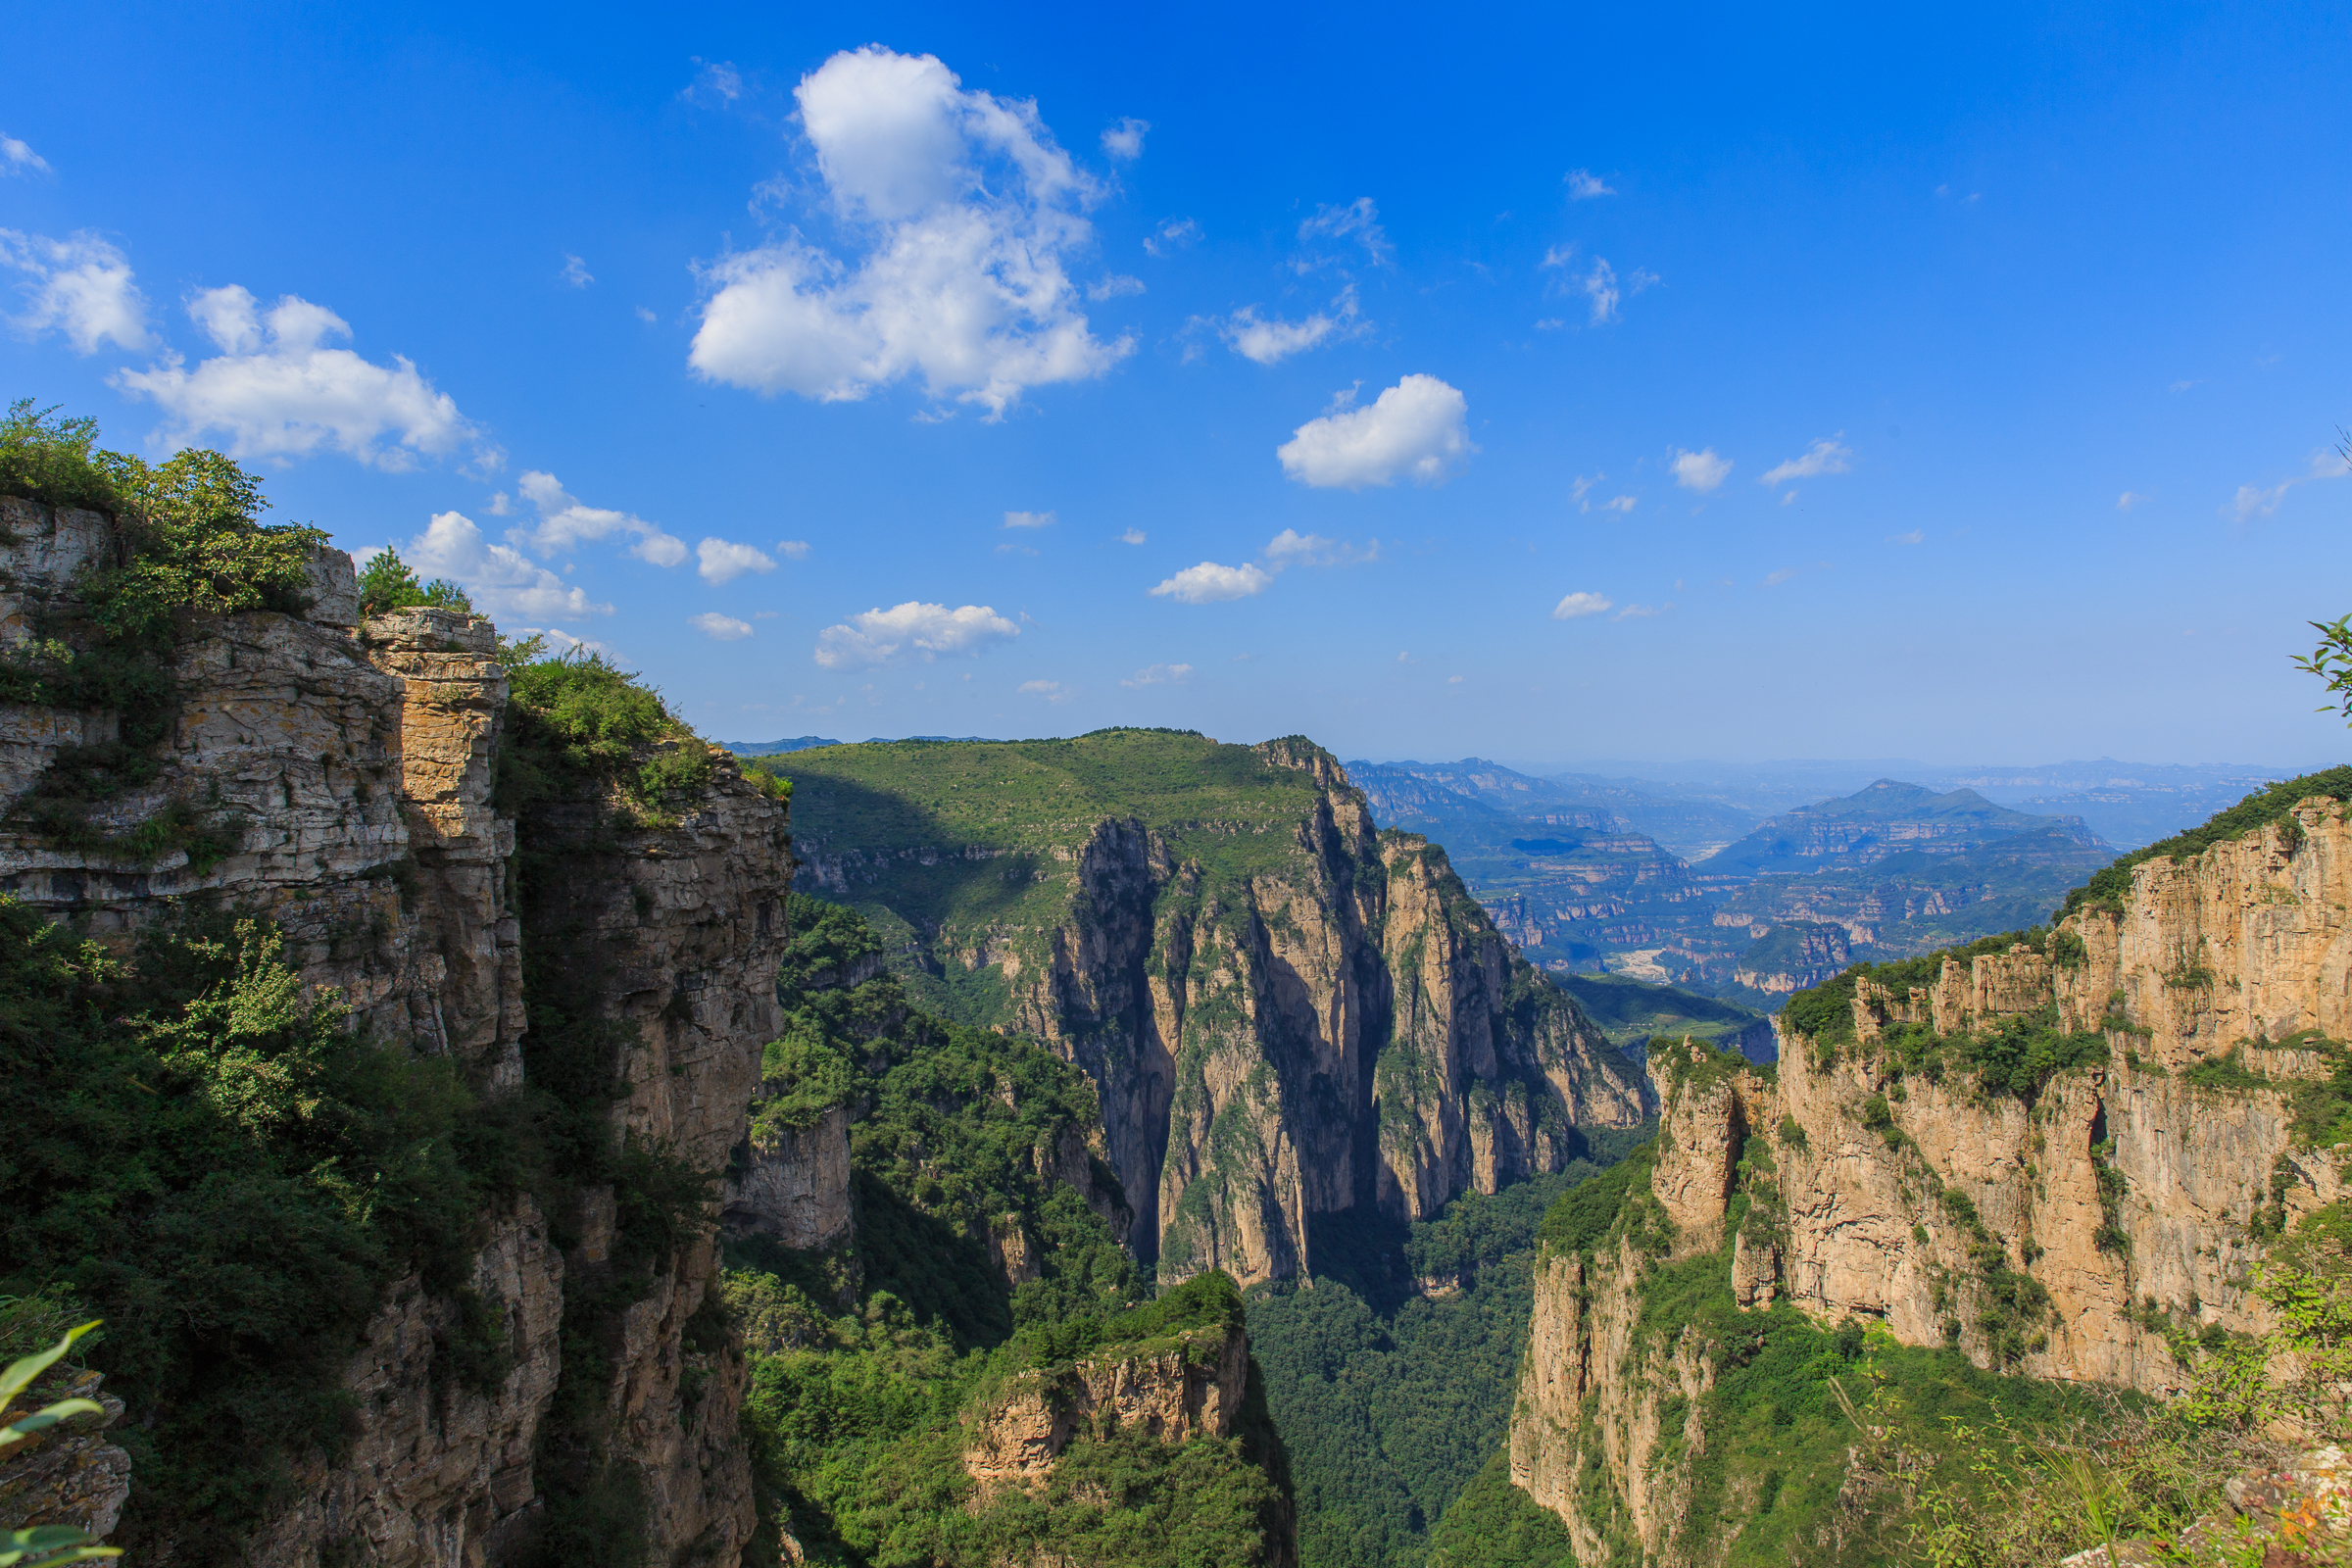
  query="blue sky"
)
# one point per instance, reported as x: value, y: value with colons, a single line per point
x: 1547, y: 385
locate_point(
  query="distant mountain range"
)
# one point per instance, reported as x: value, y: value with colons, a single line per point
x: 1589, y: 873
x: 809, y: 743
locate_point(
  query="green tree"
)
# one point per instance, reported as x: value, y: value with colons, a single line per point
x: 388, y: 583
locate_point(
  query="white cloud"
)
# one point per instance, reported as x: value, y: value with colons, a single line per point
x: 722, y: 628
x: 1601, y: 286
x: 1028, y: 520
x: 575, y: 273
x: 1578, y: 605
x: 1125, y: 140
x: 1270, y: 342
x: 564, y: 525
x: 1917, y: 536
x: 1160, y: 675
x: 1775, y: 579
x: 2129, y: 499
x: 1637, y: 613
x: 1359, y: 220
x: 967, y: 209
x: 500, y: 504
x: 79, y: 285
x: 16, y: 158
x: 1052, y: 691
x: 2255, y: 501
x: 1291, y: 548
x: 723, y: 561
x: 1619, y: 504
x: 1576, y: 491
x: 1133, y: 536
x: 1701, y: 470
x: 1009, y: 548
x: 792, y: 549
x: 1825, y: 456
x: 1418, y: 427
x: 499, y: 578
x: 646, y: 316
x: 276, y: 392
x: 908, y: 632
x: 1209, y: 583
x: 1583, y: 185
x: 719, y: 81
x: 1116, y: 285
x: 1172, y: 235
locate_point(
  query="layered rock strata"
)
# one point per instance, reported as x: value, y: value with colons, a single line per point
x: 1334, y: 1022
x: 2136, y: 1198
x: 350, y: 767
x: 1190, y: 1387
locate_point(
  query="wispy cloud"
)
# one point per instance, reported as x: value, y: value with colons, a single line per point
x: 1271, y: 340
x: 1583, y: 185
x: 1775, y: 579
x: 1029, y: 519
x: 1359, y: 220
x: 1133, y: 536
x: 1825, y: 456
x: 2129, y: 499
x: 16, y: 158
x: 1124, y: 142
x: 575, y: 273
x: 1052, y: 691
x: 1172, y: 235
x: 1160, y: 675
x: 2260, y: 501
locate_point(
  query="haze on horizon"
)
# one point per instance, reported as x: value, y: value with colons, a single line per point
x: 1561, y: 387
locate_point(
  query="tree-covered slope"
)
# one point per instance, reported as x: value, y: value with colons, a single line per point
x: 876, y: 1359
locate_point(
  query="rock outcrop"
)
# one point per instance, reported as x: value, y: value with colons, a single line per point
x: 1318, y: 1019
x: 1191, y: 1385
x: 795, y: 1183
x: 349, y: 770
x: 2060, y: 1227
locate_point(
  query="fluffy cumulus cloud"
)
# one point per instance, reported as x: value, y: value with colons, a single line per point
x: 1160, y: 675
x: 564, y: 525
x: 1578, y: 605
x: 501, y: 579
x: 1418, y: 429
x: 910, y: 632
x: 1825, y: 456
x: 722, y: 628
x: 276, y: 390
x: 723, y: 561
x: 1702, y: 470
x: 966, y: 213
x: 16, y: 158
x: 79, y: 285
x: 1209, y: 583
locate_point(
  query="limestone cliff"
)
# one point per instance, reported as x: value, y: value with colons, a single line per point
x: 1190, y: 1387
x: 1285, y: 1012
x: 348, y: 770
x: 2003, y: 1151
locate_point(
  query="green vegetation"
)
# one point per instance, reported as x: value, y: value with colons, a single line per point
x: 191, y: 548
x: 869, y: 1363
x: 1631, y: 1010
x: 1493, y: 1524
x: 2106, y: 889
x: 584, y: 730
x: 202, y: 1156
x: 386, y: 584
x: 1009, y: 817
x: 1391, y: 1400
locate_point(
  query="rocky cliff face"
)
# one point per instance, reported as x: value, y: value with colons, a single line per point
x: 350, y: 767
x: 1188, y: 1388
x: 2056, y: 1232
x: 1337, y: 1024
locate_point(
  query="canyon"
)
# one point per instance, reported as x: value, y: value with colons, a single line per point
x: 2070, y: 1228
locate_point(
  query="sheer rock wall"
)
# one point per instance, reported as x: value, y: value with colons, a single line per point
x: 352, y: 763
